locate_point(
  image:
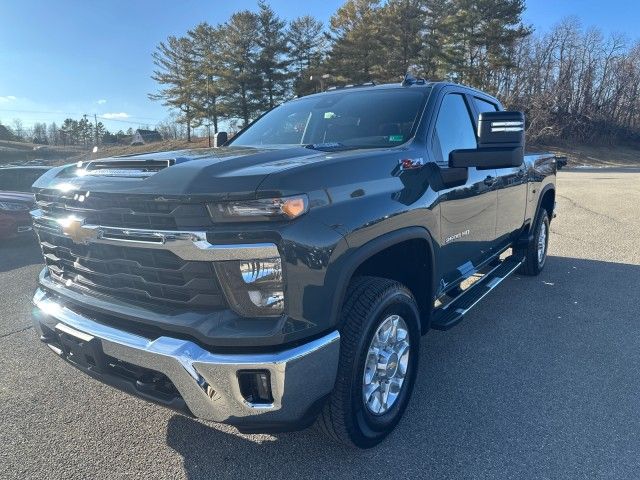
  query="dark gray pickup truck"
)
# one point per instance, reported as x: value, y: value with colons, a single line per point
x: 286, y: 277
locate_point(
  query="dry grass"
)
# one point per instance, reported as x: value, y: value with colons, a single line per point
x: 17, y: 152
x: 587, y: 155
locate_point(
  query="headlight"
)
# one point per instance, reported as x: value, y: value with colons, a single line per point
x: 263, y: 209
x: 14, y: 207
x: 254, y: 288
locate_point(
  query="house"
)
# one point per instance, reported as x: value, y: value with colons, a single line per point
x: 6, y: 134
x: 142, y: 137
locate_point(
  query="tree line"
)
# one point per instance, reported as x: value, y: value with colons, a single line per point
x: 81, y: 132
x: 572, y: 83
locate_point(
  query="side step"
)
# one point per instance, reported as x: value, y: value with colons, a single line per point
x: 451, y: 314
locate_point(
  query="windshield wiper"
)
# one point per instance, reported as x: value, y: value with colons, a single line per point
x: 328, y: 147
x: 337, y: 146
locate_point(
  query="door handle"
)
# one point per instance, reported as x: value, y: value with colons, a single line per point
x: 490, y: 181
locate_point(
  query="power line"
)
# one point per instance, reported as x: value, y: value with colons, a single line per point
x: 133, y: 120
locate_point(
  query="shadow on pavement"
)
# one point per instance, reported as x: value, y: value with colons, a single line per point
x: 539, y: 381
x: 19, y: 252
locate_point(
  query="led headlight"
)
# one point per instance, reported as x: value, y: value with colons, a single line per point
x: 253, y: 288
x: 262, y: 209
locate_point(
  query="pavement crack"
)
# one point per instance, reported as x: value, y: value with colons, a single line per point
x: 586, y: 209
x: 16, y: 331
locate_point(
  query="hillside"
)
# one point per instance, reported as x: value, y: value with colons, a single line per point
x: 18, y: 153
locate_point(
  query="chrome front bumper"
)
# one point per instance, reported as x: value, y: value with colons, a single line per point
x: 206, y: 381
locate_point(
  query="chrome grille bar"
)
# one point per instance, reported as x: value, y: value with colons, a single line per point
x: 187, y: 245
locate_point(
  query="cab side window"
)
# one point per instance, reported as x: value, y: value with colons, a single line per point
x: 454, y: 128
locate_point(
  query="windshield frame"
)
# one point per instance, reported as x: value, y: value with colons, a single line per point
x: 425, y: 91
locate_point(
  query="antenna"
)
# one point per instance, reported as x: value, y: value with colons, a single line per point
x: 409, y: 80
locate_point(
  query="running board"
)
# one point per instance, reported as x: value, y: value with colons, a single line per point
x: 451, y: 314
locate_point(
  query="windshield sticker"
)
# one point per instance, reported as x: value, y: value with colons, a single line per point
x: 328, y: 115
x: 396, y: 138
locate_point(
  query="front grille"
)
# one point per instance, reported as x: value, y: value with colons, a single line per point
x: 151, y: 276
x: 124, y: 211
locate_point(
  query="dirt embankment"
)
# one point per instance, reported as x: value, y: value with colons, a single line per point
x: 592, y: 156
x: 20, y: 153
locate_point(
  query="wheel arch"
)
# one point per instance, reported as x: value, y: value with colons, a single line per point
x: 547, y: 200
x: 364, y: 258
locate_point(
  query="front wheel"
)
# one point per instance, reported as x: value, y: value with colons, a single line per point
x: 379, y: 348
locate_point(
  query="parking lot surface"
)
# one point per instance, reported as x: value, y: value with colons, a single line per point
x: 541, y: 380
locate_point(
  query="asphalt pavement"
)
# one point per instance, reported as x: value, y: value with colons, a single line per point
x: 541, y: 380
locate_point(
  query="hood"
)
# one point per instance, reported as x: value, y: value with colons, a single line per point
x: 227, y: 172
x: 18, y: 197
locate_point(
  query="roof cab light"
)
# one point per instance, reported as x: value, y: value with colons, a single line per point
x: 262, y: 209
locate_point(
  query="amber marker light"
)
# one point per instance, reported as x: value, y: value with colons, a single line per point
x: 294, y: 207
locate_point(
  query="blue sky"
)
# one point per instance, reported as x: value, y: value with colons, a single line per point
x: 68, y: 57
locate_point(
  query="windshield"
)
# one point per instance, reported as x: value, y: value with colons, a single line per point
x: 350, y: 119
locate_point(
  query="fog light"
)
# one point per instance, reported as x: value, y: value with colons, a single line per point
x: 253, y: 288
x: 265, y: 299
x: 255, y: 386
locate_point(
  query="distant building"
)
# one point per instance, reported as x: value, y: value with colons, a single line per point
x: 141, y: 137
x: 5, y: 133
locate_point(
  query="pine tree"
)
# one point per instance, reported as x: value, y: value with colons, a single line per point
x: 240, y: 79
x: 477, y: 37
x: 307, y: 44
x: 272, y: 62
x: 355, y: 31
x: 401, y: 37
x: 206, y: 41
x: 177, y: 73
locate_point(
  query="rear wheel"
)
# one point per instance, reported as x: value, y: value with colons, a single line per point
x: 536, y: 251
x: 379, y: 347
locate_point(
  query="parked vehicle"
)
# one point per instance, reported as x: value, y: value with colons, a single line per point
x: 15, y: 199
x: 286, y: 278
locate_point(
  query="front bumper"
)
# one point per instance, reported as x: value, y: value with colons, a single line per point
x: 206, y: 382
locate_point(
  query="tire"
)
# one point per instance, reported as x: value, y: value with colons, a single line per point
x: 534, y: 262
x: 370, y: 304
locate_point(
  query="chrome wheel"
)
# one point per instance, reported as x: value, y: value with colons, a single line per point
x: 386, y: 365
x: 542, y: 243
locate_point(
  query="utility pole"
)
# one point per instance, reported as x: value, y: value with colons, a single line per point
x: 208, y: 113
x: 95, y: 123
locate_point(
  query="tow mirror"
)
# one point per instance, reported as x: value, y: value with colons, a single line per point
x: 500, y: 142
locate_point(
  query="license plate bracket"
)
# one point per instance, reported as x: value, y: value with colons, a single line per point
x: 81, y: 349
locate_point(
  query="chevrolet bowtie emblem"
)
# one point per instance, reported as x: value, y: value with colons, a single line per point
x: 75, y: 229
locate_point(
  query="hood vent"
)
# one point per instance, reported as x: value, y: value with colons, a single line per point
x: 124, y: 168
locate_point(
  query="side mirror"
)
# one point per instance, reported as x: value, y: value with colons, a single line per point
x: 500, y: 142
x: 219, y: 139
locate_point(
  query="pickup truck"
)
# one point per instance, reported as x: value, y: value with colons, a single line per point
x: 285, y: 278
x: 16, y: 200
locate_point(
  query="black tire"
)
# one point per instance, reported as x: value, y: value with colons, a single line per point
x: 533, y: 265
x: 345, y: 417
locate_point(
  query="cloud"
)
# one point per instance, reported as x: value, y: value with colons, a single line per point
x: 102, y: 101
x: 111, y: 116
x: 8, y: 98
